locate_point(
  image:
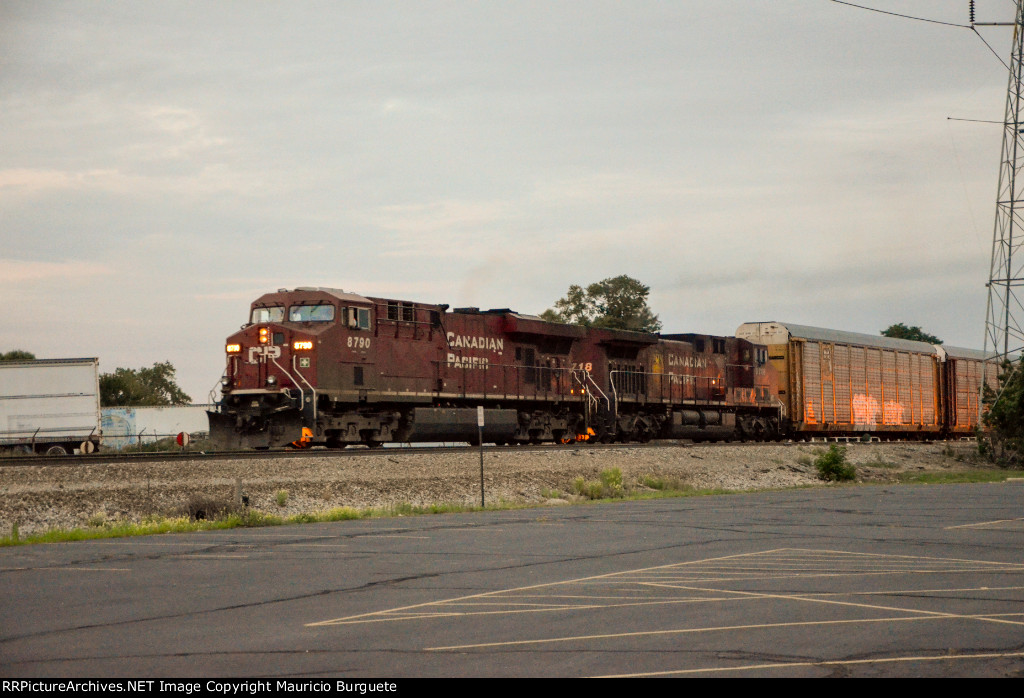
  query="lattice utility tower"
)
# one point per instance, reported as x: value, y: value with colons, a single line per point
x: 1004, y: 322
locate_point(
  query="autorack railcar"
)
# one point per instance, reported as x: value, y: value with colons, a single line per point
x: 835, y: 383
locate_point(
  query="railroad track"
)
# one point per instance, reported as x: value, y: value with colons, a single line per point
x: 171, y: 456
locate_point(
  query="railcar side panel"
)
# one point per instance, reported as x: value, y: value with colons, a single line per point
x: 845, y: 383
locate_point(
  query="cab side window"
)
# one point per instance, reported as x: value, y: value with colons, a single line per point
x: 359, y: 318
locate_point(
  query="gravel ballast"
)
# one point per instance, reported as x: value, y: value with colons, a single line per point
x: 38, y: 498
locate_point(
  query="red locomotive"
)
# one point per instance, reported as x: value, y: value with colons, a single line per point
x: 326, y: 367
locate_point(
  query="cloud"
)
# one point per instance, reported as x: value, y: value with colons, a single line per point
x: 18, y: 271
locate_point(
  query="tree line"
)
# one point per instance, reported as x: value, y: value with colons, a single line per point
x: 128, y: 387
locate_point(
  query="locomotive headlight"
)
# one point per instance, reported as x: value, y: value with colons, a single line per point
x: 233, y: 348
x: 302, y: 345
x: 264, y: 335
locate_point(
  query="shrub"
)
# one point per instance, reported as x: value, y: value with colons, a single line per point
x: 611, y: 480
x: 281, y: 498
x: 1003, y: 442
x: 832, y: 465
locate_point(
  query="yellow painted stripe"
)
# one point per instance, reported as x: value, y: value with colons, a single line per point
x: 838, y: 662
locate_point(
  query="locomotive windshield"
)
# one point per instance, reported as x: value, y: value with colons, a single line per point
x: 311, y: 313
x: 274, y: 313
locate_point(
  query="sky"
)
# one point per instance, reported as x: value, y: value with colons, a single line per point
x: 164, y: 164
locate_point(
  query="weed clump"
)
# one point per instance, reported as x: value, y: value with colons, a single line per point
x: 200, y: 508
x: 832, y: 465
x: 281, y: 498
x: 609, y: 485
x: 611, y: 481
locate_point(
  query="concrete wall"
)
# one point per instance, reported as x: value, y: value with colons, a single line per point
x: 124, y: 426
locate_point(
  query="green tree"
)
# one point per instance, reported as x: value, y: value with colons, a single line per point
x: 901, y: 331
x: 618, y: 303
x: 145, y: 387
x: 1004, y: 420
x: 18, y: 355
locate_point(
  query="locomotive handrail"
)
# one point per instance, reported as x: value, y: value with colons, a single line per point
x: 593, y: 386
x: 308, y: 385
x: 220, y: 382
x: 302, y: 394
x: 511, y: 378
x: 645, y: 390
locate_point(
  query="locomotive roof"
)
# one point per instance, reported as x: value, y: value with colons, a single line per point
x: 520, y: 323
x: 335, y: 292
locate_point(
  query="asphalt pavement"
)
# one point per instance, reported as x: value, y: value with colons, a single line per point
x: 840, y: 581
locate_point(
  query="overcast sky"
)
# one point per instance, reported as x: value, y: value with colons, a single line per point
x: 162, y: 164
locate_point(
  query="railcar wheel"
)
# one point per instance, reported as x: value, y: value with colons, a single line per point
x: 56, y: 451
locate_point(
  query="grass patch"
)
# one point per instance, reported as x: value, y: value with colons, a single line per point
x: 937, y: 478
x: 611, y: 485
x: 249, y: 518
x: 217, y: 514
x: 668, y: 485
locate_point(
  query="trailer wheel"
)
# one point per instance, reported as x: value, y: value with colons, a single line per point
x: 56, y: 451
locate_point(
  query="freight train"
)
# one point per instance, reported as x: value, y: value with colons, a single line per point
x: 322, y: 366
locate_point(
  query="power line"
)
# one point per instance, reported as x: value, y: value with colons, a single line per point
x: 970, y: 26
x: 977, y: 121
x: 897, y: 14
x: 990, y: 48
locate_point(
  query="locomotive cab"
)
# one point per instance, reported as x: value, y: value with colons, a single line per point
x: 270, y: 394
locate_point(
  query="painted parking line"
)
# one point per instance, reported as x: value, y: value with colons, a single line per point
x: 673, y: 631
x: 402, y: 611
x: 998, y: 523
x: 66, y: 569
x: 824, y: 664
x: 713, y: 581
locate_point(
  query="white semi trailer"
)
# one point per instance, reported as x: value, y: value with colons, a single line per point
x: 50, y: 406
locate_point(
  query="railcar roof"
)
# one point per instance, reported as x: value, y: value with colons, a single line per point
x: 962, y: 353
x: 821, y: 334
